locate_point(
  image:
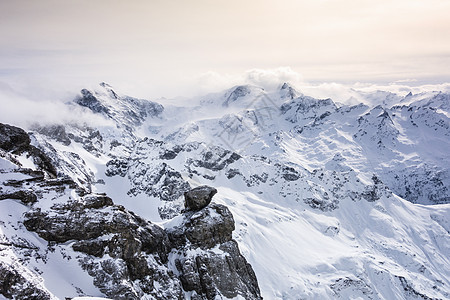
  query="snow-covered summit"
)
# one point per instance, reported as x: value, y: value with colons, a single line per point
x: 124, y: 110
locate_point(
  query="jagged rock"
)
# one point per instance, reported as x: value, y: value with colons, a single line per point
x: 208, y: 259
x: 290, y: 174
x: 87, y: 99
x: 199, y: 197
x: 56, y: 132
x: 216, y: 158
x: 226, y: 272
x: 93, y: 247
x: 93, y: 218
x: 205, y: 228
x: 137, y: 249
x: 13, y: 139
x: 16, y: 140
x: 14, y: 285
x: 27, y: 197
x: 132, y: 254
x: 236, y: 93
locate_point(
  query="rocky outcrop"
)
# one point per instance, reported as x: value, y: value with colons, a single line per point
x: 17, y: 141
x: 13, y: 139
x: 131, y: 252
x: 14, y: 285
x: 56, y: 132
x: 130, y: 258
x: 126, y: 111
x: 26, y: 197
x: 236, y: 93
x: 206, y: 257
x: 87, y: 99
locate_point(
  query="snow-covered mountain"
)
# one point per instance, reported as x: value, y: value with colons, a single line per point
x: 328, y: 201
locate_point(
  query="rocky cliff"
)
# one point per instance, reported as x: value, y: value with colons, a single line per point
x: 127, y: 256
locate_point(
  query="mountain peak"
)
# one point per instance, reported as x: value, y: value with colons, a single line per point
x: 288, y: 91
x: 241, y: 92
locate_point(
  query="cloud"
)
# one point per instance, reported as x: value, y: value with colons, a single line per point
x: 272, y: 78
x: 269, y: 79
x: 18, y: 110
x: 24, y: 102
x: 352, y: 94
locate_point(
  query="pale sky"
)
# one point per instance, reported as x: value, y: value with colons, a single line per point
x: 167, y: 48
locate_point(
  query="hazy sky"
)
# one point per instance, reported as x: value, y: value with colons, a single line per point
x: 167, y: 48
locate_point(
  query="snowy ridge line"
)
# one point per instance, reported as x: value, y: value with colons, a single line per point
x: 346, y: 201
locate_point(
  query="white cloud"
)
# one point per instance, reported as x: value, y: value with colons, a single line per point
x: 272, y: 78
x: 18, y: 110
x: 269, y: 79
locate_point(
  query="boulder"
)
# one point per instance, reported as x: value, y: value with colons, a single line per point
x: 199, y: 197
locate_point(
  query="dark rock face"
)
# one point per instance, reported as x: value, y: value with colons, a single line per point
x: 17, y: 141
x: 94, y: 217
x: 199, y: 197
x: 216, y: 158
x: 133, y: 251
x: 26, y: 197
x: 13, y: 139
x: 88, y: 100
x: 14, y: 285
x: 206, y: 257
x: 211, y: 274
x: 131, y: 258
x: 205, y: 228
x: 56, y: 132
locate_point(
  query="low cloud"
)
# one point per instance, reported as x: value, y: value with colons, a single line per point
x: 22, y: 111
x: 269, y: 79
x: 272, y: 78
x: 23, y: 103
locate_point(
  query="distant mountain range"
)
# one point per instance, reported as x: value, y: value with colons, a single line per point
x: 315, y: 199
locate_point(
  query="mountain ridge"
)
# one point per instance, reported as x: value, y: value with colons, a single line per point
x: 302, y: 176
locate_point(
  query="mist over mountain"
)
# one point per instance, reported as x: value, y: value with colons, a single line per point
x: 244, y: 193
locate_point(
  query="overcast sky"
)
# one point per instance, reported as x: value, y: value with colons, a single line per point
x: 153, y: 48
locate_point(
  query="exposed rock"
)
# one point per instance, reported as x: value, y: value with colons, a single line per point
x: 133, y: 251
x: 199, y: 197
x: 208, y: 259
x: 205, y: 228
x: 56, y: 132
x: 13, y: 139
x: 216, y: 158
x: 87, y: 99
x: 128, y: 257
x: 289, y: 92
x: 17, y: 141
x: 14, y: 285
x: 236, y: 93
x: 94, y: 217
x: 290, y: 174
x: 27, y: 197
